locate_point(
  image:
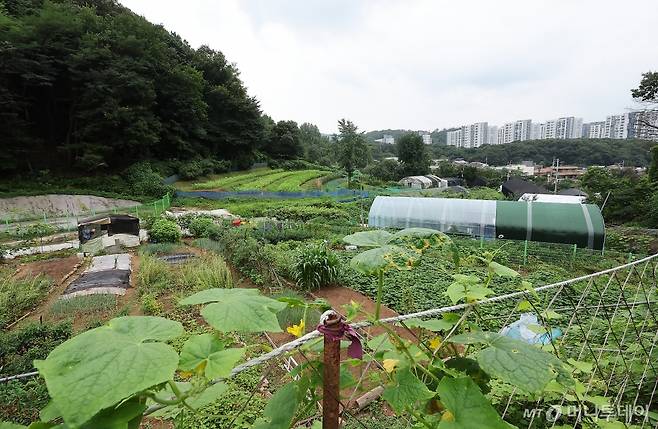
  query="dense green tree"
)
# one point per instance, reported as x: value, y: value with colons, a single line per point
x: 412, y: 154
x: 284, y: 141
x: 648, y: 88
x: 653, y: 167
x: 317, y: 148
x: 386, y: 170
x: 87, y: 85
x: 352, y: 151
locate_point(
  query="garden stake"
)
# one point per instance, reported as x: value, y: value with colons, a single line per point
x: 331, y: 321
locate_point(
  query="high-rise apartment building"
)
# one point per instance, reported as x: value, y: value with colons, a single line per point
x: 644, y: 125
x: 515, y: 131
x: 562, y: 128
x: 454, y: 138
x: 594, y: 130
x: 617, y: 126
x: 492, y: 135
x: 473, y: 135
x: 427, y: 138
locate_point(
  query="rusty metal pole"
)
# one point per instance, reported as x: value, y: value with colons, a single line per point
x: 331, y: 375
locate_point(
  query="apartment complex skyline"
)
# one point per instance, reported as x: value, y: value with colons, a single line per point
x: 639, y: 124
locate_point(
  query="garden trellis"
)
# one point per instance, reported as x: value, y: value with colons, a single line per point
x: 608, y: 331
x: 609, y: 328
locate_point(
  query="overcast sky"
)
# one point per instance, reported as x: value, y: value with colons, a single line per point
x: 425, y: 64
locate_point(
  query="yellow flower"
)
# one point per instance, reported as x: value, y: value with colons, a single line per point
x: 435, y: 343
x: 297, y: 330
x: 390, y: 364
x: 447, y: 416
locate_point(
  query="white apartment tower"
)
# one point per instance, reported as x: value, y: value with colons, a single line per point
x: 561, y: 128
x: 595, y: 130
x: 454, y: 138
x: 427, y: 138
x: 492, y: 135
x: 617, y: 126
x: 644, y: 125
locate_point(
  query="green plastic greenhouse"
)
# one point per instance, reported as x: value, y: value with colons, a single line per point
x: 580, y: 224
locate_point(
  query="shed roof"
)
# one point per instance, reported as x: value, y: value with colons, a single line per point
x: 573, y: 191
x: 517, y: 186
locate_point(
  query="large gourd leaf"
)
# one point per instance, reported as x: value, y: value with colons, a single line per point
x: 207, y: 354
x: 103, y: 366
x: 406, y: 391
x: 514, y: 361
x: 374, y: 238
x: 372, y: 261
x: 420, y: 238
x: 238, y: 310
x: 281, y: 408
x: 467, y: 407
x: 434, y: 325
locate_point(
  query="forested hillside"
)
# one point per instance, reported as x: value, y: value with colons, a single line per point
x: 87, y: 85
x: 583, y: 152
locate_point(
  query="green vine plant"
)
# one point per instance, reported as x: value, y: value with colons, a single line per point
x: 114, y: 375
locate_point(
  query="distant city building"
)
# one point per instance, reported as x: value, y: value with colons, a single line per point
x: 427, y: 138
x: 562, y: 128
x: 386, y: 139
x: 515, y: 131
x: 492, y: 135
x: 617, y: 126
x: 454, y: 138
x: 645, y: 125
x: 594, y: 130
x: 473, y: 135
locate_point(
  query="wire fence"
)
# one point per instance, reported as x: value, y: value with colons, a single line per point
x: 604, y: 324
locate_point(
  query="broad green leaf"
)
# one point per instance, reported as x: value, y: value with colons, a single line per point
x: 238, y: 310
x: 431, y: 324
x: 467, y: 291
x: 100, y: 367
x: 585, y: 367
x: 208, y: 396
x: 514, y: 361
x: 281, y: 408
x: 406, y: 391
x: 10, y: 425
x: 170, y: 411
x: 502, y: 270
x: 205, y: 351
x: 551, y: 315
x: 468, y: 406
x: 125, y: 416
x: 524, y: 306
x: 374, y: 238
x: 380, y: 343
x: 420, y: 238
x: 217, y: 294
x: 49, y: 412
x: 599, y: 401
x: 373, y: 261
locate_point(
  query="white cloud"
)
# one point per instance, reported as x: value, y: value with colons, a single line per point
x: 425, y: 64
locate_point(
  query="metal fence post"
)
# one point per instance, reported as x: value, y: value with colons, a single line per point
x: 331, y: 372
x: 525, y: 253
x: 575, y: 249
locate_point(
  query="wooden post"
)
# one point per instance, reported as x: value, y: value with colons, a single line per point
x: 331, y: 376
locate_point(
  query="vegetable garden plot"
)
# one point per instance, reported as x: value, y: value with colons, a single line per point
x: 108, y: 274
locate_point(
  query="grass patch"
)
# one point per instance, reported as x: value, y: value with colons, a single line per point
x: 87, y: 304
x: 17, y: 296
x: 152, y: 249
x: 206, y: 272
x: 154, y: 276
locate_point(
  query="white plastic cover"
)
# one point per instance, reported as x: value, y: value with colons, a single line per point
x: 451, y: 215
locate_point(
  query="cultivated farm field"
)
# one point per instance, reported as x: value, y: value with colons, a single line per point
x: 263, y: 179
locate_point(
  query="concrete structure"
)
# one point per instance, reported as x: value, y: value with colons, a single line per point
x: 644, y: 125
x: 386, y: 139
x: 526, y: 170
x: 594, y: 130
x: 473, y: 135
x: 454, y: 138
x: 617, y: 126
x: 492, y: 137
x: 568, y: 127
x: 517, y: 131
x: 427, y: 139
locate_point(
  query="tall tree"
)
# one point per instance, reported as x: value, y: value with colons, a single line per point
x: 352, y: 149
x: 412, y: 154
x: 284, y: 141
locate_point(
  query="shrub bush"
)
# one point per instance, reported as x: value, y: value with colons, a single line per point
x: 150, y: 305
x: 274, y: 232
x: 143, y: 180
x: 20, y: 347
x: 314, y: 266
x: 164, y: 231
x: 200, y: 227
